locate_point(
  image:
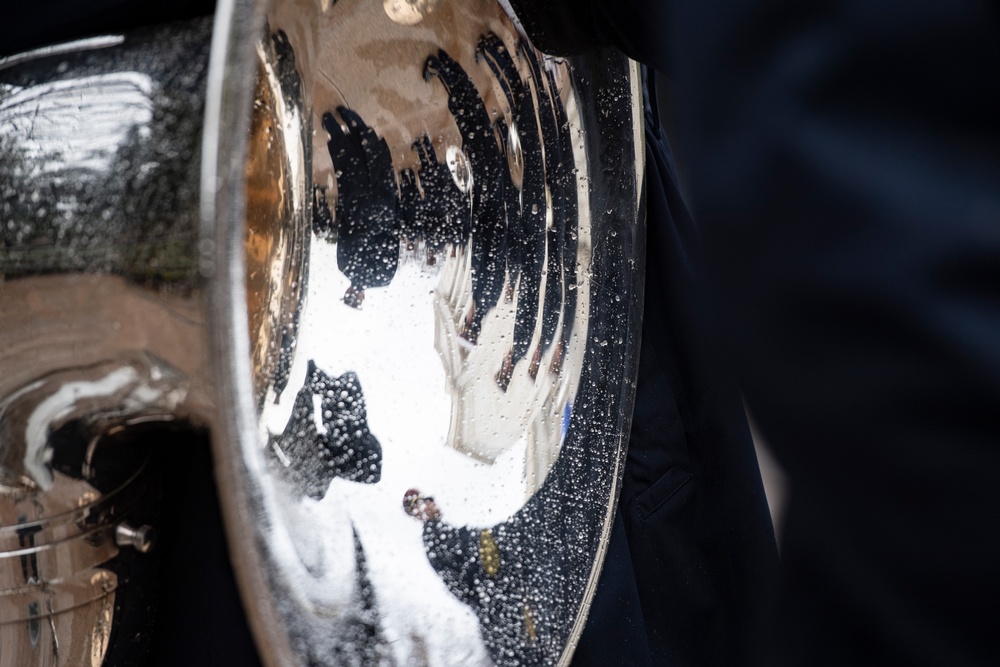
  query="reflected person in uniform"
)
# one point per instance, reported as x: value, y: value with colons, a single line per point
x: 489, y: 570
x: 562, y: 232
x: 526, y: 224
x: 488, y: 218
x: 327, y: 436
x: 367, y: 229
x: 432, y: 208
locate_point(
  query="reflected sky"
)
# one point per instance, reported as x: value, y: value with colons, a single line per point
x: 54, y: 121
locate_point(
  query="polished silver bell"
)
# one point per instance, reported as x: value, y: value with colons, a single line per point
x: 389, y: 255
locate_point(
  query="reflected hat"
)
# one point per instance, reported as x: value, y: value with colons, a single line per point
x: 410, y: 499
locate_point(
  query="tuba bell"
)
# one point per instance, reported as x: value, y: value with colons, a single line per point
x: 387, y: 258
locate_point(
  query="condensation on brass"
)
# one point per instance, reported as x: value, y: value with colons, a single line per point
x: 440, y: 381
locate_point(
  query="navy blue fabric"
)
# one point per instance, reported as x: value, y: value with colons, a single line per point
x: 615, y: 634
x: 847, y: 166
x: 693, y: 543
x: 843, y: 158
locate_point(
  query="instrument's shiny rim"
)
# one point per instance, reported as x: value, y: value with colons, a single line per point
x: 223, y: 203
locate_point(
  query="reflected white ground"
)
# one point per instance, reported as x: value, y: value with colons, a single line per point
x: 393, y: 344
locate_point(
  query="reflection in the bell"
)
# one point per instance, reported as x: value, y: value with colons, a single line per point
x: 368, y: 233
x: 435, y: 209
x: 414, y: 213
x: 495, y: 301
x: 488, y: 187
x: 327, y: 437
x: 495, y: 571
x: 452, y: 216
x: 526, y: 219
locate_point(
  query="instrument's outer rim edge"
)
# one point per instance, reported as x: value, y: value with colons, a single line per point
x: 628, y: 390
x: 223, y: 204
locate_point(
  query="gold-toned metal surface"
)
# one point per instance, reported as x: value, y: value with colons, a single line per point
x: 277, y: 210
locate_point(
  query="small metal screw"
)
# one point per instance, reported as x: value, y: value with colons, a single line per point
x: 141, y: 539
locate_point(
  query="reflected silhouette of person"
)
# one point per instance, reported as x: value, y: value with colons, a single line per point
x: 409, y: 221
x: 362, y: 638
x: 322, y: 216
x: 525, y: 577
x: 487, y: 570
x: 367, y: 230
x: 291, y: 83
x: 488, y: 217
x: 432, y: 207
x: 566, y: 206
x: 327, y: 436
x: 526, y: 230
x: 446, y: 209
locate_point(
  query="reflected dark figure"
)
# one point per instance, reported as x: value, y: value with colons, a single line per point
x: 565, y: 211
x: 496, y: 572
x: 310, y: 458
x: 410, y: 200
x: 367, y: 232
x: 291, y: 84
x: 488, y: 218
x: 560, y: 281
x: 526, y: 224
x: 322, y: 216
x: 434, y: 210
x: 521, y: 576
x: 362, y: 634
